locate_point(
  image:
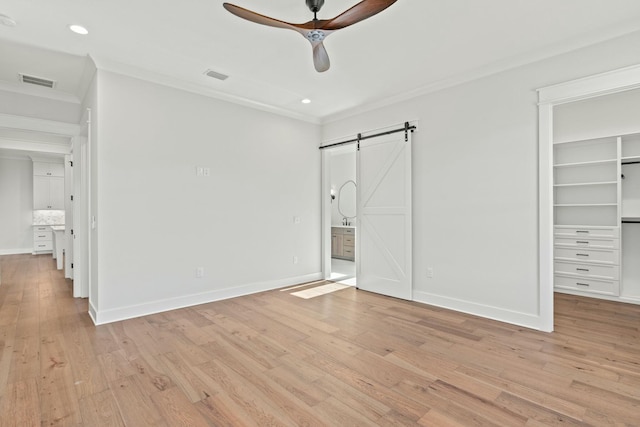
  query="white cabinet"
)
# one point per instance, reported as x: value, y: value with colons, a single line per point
x: 587, y: 216
x: 42, y: 238
x: 48, y: 192
x: 48, y: 169
x: 597, y: 217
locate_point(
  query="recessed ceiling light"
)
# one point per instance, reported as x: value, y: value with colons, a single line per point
x: 7, y: 20
x: 79, y: 29
x: 306, y: 101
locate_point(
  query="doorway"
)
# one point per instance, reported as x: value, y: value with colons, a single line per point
x: 380, y: 238
x: 343, y: 214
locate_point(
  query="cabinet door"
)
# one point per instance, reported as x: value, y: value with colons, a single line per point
x: 56, y: 193
x: 40, y: 192
x: 48, y: 169
x: 336, y: 245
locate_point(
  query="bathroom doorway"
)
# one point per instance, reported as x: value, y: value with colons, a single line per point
x: 341, y: 214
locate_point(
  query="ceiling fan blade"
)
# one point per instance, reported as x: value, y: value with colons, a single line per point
x: 361, y: 11
x: 257, y: 18
x: 320, y: 57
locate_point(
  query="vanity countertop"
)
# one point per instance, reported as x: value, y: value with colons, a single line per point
x: 343, y: 226
x: 57, y: 227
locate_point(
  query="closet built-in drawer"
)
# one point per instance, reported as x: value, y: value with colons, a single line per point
x: 587, y: 242
x: 612, y: 232
x: 43, y: 246
x: 349, y: 240
x: 598, y: 271
x: 587, y: 255
x: 41, y: 228
x: 42, y: 235
x: 608, y: 287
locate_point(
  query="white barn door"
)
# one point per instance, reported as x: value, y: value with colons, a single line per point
x: 383, y: 253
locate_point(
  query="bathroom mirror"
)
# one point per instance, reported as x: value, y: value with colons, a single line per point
x: 347, y: 200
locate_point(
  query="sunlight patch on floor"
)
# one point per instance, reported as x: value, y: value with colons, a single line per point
x: 319, y: 290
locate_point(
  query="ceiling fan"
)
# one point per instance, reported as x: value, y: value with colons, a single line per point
x: 317, y: 30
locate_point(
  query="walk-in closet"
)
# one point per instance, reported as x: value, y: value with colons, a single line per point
x: 596, y: 197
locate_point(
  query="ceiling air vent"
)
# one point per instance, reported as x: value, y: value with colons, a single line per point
x: 38, y: 81
x: 216, y: 75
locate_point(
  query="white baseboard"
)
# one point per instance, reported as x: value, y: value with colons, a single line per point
x: 92, y: 312
x: 101, y: 317
x: 495, y: 313
x: 16, y: 251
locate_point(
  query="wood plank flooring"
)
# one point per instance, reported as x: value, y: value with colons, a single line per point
x: 347, y: 358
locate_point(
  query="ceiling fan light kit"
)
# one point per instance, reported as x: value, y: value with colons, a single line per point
x: 317, y: 30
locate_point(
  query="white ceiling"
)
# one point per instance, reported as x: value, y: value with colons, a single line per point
x: 410, y: 47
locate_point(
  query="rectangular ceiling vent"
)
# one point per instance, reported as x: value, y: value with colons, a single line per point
x: 38, y: 81
x: 216, y: 75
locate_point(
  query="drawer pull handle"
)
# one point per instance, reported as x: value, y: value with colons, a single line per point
x: 582, y: 284
x: 582, y: 231
x: 582, y: 269
x: 582, y: 242
x: 582, y: 254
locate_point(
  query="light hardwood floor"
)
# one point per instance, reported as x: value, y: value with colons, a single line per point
x: 344, y: 359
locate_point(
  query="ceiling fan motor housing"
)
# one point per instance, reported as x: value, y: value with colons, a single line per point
x: 315, y: 5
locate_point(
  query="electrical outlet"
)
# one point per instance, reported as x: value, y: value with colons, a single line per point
x: 206, y: 172
x: 200, y: 272
x: 430, y: 272
x: 296, y: 220
x: 295, y: 259
x: 199, y: 171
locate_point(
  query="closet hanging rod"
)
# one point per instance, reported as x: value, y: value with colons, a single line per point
x: 359, y: 138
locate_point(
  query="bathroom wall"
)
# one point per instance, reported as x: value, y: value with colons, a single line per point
x: 343, y: 169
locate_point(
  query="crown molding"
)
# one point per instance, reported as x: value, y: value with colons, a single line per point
x: 175, y: 83
x: 488, y: 70
x: 38, y: 125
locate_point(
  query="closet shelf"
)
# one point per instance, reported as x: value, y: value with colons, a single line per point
x: 594, y: 162
x: 629, y: 159
x: 576, y: 205
x: 583, y: 184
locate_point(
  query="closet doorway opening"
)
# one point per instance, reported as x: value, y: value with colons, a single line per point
x: 342, y: 215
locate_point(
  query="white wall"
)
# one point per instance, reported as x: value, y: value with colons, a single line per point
x: 343, y: 169
x: 16, y: 205
x: 157, y: 221
x: 475, y: 182
x: 615, y: 114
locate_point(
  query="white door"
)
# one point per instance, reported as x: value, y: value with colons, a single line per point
x: 383, y: 253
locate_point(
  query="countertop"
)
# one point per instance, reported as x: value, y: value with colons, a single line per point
x: 343, y: 226
x: 57, y: 227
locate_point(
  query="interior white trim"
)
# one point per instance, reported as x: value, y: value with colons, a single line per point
x: 128, y: 312
x: 488, y: 70
x: 16, y: 251
x: 164, y: 80
x: 40, y: 92
x: 10, y: 121
x: 591, y: 86
x: 588, y: 87
x: 32, y: 146
x: 500, y: 314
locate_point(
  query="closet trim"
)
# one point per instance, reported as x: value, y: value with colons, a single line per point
x: 615, y: 81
